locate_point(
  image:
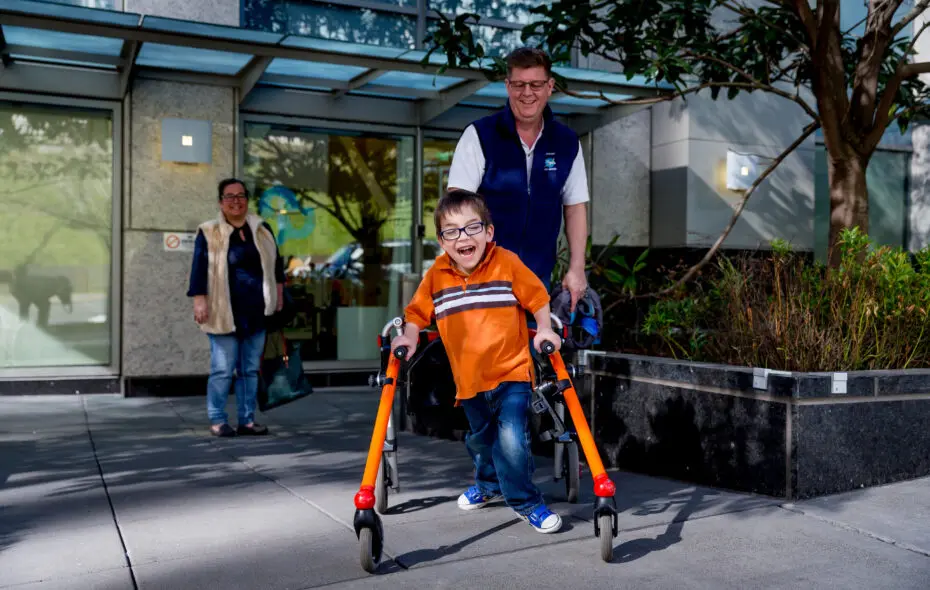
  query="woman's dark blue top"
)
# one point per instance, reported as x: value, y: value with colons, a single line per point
x: 245, y: 278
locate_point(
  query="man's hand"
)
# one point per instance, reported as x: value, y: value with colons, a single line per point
x: 201, y: 310
x: 546, y: 335
x: 575, y: 283
x: 280, y: 304
x: 405, y: 340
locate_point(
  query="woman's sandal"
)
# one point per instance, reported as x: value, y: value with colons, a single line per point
x: 224, y: 430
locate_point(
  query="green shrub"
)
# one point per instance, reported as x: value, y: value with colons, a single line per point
x: 783, y: 311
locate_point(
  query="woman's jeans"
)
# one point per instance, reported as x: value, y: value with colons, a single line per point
x: 244, y: 354
x: 499, y: 444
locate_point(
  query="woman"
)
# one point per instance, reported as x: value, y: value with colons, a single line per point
x: 237, y: 281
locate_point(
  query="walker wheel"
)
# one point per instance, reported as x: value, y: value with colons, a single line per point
x: 381, y: 489
x: 366, y: 550
x: 572, y: 472
x: 605, y: 524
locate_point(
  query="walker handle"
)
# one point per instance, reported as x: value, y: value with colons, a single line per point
x: 400, y: 352
x: 548, y: 347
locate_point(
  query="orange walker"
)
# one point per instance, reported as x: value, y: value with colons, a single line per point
x: 381, y: 464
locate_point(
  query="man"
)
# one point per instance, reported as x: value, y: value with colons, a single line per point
x: 530, y: 170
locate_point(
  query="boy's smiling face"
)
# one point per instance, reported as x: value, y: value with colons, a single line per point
x: 466, y: 251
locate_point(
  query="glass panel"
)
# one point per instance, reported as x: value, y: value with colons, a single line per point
x: 512, y: 11
x: 327, y: 21
x: 106, y: 4
x: 61, y: 62
x: 437, y: 159
x: 344, y: 47
x: 76, y: 9
x: 192, y: 59
x: 565, y: 99
x: 340, y: 205
x: 56, y: 197
x: 821, y: 204
x: 607, y: 78
x: 209, y: 30
x: 887, y: 178
x: 62, y: 41
x: 311, y: 69
x: 415, y: 81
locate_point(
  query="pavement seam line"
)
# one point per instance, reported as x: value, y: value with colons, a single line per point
x: 106, y: 491
x: 292, y: 492
x: 853, y: 529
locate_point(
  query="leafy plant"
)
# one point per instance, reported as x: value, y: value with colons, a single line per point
x: 784, y: 311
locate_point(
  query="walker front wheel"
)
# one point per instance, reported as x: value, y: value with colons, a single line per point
x: 366, y: 540
x: 605, y: 523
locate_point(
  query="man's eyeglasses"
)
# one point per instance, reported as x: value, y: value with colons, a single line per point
x: 234, y: 197
x: 535, y: 85
x: 452, y: 234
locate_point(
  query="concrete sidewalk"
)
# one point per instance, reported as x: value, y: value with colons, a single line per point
x: 110, y: 493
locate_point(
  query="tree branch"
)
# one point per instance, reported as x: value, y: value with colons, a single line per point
x: 756, y: 84
x: 919, y: 8
x: 810, y: 129
x: 803, y: 10
x: 883, y: 115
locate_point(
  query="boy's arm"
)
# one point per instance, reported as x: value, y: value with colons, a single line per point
x: 529, y: 291
x: 419, y: 312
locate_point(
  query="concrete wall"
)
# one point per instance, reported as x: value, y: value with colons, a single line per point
x: 690, y: 202
x: 219, y: 12
x: 620, y: 181
x: 620, y: 185
x: 159, y: 334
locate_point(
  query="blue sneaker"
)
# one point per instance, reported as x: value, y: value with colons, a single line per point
x: 473, y: 498
x: 543, y: 520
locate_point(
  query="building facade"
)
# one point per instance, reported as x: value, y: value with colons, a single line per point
x: 118, y: 118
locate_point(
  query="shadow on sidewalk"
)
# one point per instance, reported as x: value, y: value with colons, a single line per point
x: 639, y: 548
x: 413, y: 558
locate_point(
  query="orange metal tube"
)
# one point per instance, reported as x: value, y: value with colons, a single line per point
x: 581, y: 425
x: 365, y: 497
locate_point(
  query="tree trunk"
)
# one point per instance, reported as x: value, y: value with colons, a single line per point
x: 849, y: 196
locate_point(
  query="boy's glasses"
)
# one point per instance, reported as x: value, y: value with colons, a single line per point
x: 452, y: 234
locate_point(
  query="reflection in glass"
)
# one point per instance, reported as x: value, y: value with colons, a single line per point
x: 56, y: 170
x: 319, y: 19
x: 341, y: 208
x: 512, y: 11
x: 437, y: 159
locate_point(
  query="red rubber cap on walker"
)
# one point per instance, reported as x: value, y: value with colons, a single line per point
x: 603, y: 487
x: 365, y: 498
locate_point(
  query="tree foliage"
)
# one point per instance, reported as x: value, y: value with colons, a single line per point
x: 852, y: 81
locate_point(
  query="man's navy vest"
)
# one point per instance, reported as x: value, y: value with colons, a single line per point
x: 526, y: 212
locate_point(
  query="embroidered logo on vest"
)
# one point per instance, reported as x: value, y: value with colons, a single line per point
x: 549, y: 164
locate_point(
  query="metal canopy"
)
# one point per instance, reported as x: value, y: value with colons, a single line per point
x: 87, y: 52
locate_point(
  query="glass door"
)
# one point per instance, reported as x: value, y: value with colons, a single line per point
x: 340, y: 204
x: 56, y: 255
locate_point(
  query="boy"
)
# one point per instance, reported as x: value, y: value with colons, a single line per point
x: 478, y: 292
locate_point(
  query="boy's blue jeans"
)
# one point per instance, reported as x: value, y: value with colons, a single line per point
x: 244, y: 354
x: 499, y: 444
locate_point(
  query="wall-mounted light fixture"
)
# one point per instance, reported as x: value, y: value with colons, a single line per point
x: 742, y: 170
x: 186, y: 140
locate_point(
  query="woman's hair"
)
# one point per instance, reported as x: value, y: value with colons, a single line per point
x: 229, y: 182
x: 454, y: 200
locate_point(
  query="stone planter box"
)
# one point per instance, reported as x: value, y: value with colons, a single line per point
x: 790, y: 435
